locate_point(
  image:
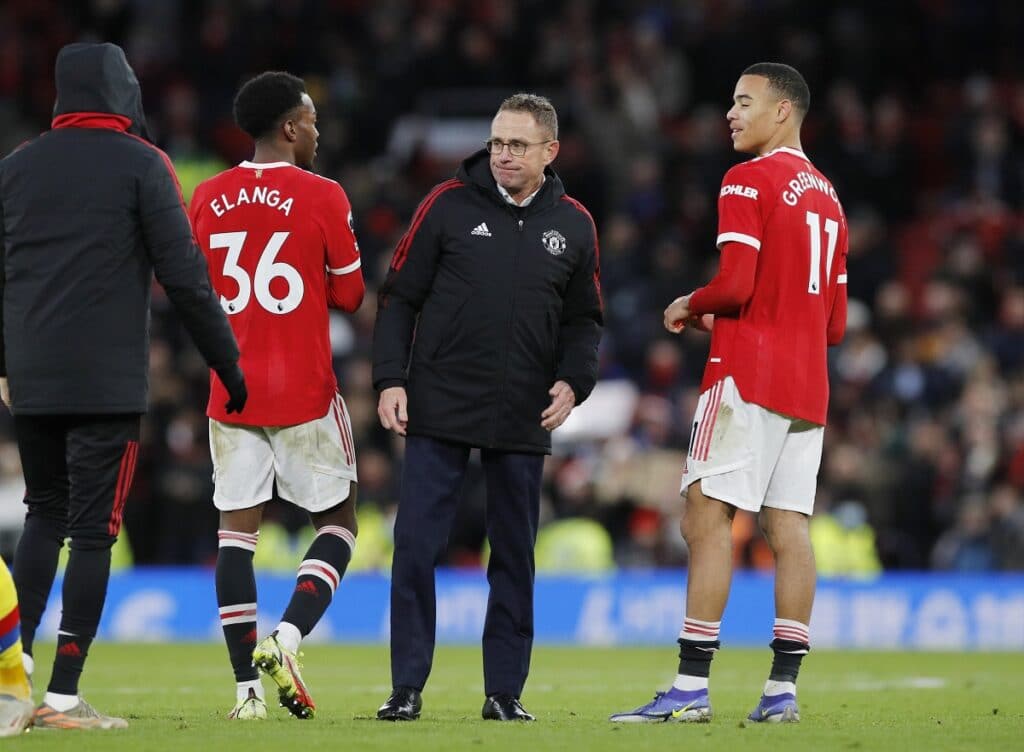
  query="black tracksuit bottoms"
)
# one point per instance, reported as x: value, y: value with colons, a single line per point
x: 431, y: 481
x: 78, y: 472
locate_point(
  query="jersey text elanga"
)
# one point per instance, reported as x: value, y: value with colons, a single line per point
x: 256, y: 195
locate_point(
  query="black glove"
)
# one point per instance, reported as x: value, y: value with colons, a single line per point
x: 234, y: 381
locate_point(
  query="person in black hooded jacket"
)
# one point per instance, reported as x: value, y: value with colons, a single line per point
x: 89, y: 211
x: 498, y: 280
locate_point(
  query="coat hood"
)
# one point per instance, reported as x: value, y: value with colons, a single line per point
x: 97, y: 78
x: 476, y: 169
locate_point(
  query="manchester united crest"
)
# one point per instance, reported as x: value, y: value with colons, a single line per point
x: 554, y: 242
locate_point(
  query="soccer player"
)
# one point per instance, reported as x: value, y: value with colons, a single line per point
x: 280, y: 246
x: 16, y: 707
x: 777, y: 302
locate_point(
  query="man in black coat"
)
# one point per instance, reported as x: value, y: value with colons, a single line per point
x: 498, y: 278
x: 88, y: 211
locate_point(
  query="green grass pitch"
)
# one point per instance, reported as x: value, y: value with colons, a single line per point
x: 176, y: 696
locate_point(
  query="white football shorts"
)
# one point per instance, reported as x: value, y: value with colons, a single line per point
x: 749, y: 456
x: 314, y: 463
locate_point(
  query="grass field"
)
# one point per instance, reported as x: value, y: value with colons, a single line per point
x: 176, y: 696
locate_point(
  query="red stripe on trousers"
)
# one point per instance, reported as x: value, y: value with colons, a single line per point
x: 125, y: 475
x: 695, y: 449
x: 133, y: 463
x: 346, y: 430
x: 708, y: 422
x: 346, y: 424
x: 714, y: 418
x: 112, y: 528
x: 403, y: 245
x: 335, y: 411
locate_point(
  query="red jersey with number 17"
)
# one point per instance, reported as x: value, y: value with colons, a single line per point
x: 280, y: 248
x: 775, y: 346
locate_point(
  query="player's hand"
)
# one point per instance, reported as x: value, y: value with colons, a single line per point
x: 677, y: 313
x: 703, y: 323
x: 563, y: 400
x: 5, y: 392
x: 234, y: 381
x: 392, y: 408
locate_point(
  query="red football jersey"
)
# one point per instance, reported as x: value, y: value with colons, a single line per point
x: 280, y: 247
x: 775, y: 346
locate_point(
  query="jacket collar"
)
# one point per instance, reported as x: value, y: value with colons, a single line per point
x: 476, y: 170
x: 92, y: 120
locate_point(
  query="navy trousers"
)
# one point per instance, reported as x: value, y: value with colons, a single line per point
x: 431, y: 481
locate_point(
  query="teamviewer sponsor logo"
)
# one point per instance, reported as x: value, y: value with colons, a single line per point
x: 481, y: 230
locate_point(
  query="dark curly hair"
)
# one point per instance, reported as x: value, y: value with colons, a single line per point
x: 263, y: 101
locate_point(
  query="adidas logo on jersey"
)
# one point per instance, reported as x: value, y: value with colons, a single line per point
x: 481, y: 230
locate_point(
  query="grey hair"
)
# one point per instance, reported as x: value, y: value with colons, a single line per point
x: 540, y: 107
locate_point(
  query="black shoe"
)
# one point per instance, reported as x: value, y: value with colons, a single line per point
x: 505, y: 708
x: 403, y: 705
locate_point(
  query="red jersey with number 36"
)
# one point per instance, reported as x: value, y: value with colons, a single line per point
x: 280, y: 248
x: 775, y: 346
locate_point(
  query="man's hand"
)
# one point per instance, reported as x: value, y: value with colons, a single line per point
x: 5, y: 392
x: 234, y: 381
x: 392, y: 408
x: 702, y: 323
x: 563, y: 400
x: 677, y: 313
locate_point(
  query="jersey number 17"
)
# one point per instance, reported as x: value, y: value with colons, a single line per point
x: 832, y: 231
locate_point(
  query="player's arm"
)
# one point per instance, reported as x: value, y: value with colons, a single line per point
x: 745, y: 189
x: 725, y: 294
x: 581, y: 322
x: 180, y: 266
x: 732, y: 286
x: 402, y: 294
x: 345, y: 285
x: 837, y: 316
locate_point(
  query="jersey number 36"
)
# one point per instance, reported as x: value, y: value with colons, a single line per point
x: 267, y: 270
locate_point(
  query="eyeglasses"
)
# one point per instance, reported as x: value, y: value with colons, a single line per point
x: 515, y: 148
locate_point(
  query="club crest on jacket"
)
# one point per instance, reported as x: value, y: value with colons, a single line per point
x: 554, y: 242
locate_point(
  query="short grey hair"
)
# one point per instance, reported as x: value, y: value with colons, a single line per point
x: 540, y: 107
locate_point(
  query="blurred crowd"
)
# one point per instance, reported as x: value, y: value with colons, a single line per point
x: 917, y: 116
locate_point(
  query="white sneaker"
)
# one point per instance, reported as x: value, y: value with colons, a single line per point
x: 82, y: 716
x: 15, y: 715
x: 252, y: 708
